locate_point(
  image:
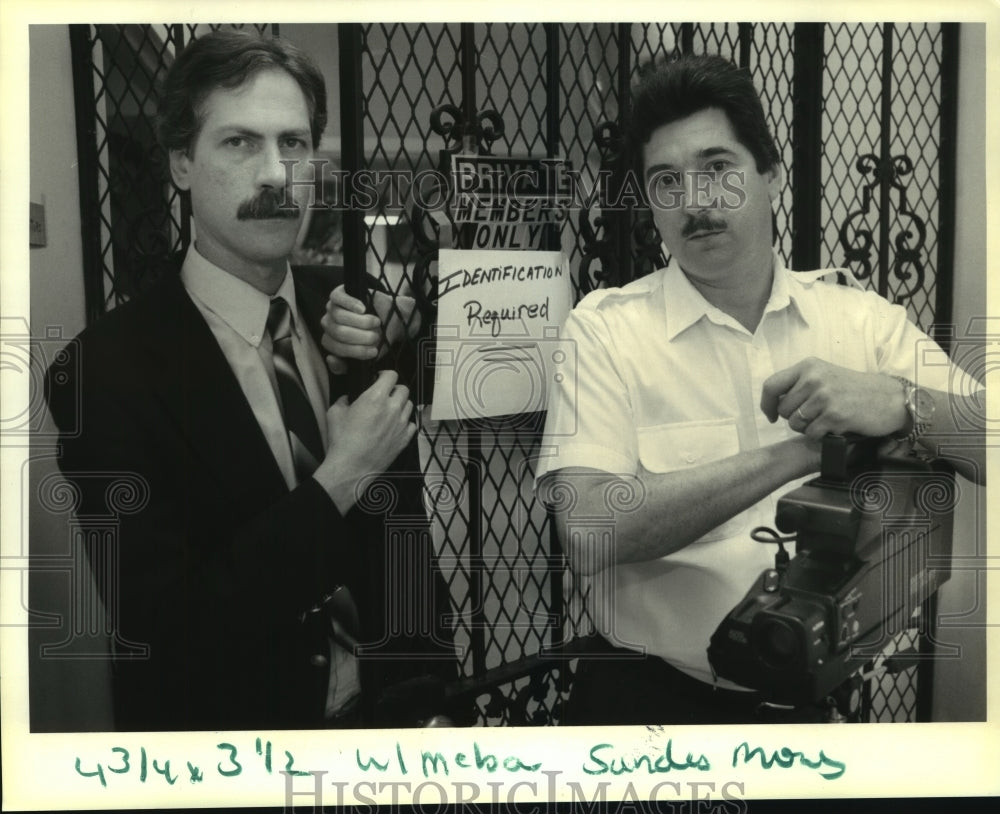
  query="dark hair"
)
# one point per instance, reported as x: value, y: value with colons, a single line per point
x: 227, y: 59
x: 674, y: 89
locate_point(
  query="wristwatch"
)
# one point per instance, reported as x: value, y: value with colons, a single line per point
x: 920, y: 407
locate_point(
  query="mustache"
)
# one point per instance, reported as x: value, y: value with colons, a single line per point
x: 267, y: 204
x: 702, y: 223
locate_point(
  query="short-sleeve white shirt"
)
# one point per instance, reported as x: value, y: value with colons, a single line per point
x: 662, y: 379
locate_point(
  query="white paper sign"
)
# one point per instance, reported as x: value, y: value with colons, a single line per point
x: 499, y: 315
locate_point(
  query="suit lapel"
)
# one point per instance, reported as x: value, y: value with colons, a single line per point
x: 198, y: 388
x: 311, y: 306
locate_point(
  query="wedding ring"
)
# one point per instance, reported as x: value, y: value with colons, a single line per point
x: 800, y: 414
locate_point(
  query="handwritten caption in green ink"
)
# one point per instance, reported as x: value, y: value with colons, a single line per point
x: 145, y: 764
x: 602, y: 759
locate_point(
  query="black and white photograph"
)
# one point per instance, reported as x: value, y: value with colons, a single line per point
x: 477, y: 412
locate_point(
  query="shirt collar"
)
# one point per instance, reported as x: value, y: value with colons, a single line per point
x: 788, y: 291
x: 240, y: 305
x: 686, y: 305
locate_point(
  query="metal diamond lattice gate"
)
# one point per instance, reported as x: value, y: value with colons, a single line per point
x: 864, y: 115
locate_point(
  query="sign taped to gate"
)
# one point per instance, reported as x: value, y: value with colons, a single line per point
x: 498, y: 346
x: 509, y: 201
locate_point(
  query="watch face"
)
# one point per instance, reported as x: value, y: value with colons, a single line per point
x: 923, y: 404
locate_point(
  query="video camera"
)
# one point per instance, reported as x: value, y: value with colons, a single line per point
x: 873, y: 540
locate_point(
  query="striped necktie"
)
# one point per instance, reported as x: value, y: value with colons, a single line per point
x: 337, y: 615
x: 300, y: 420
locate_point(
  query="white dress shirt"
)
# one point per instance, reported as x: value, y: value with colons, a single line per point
x: 664, y: 380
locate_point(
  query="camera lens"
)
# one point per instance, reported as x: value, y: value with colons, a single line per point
x: 777, y: 643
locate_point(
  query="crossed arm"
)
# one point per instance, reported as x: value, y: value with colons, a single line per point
x: 816, y: 398
x: 677, y: 507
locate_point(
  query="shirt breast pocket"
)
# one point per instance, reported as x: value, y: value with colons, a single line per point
x: 674, y: 447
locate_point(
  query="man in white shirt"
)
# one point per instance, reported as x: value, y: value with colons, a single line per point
x: 705, y: 388
x: 250, y: 563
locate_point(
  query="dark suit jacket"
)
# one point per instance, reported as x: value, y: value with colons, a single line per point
x: 217, y: 565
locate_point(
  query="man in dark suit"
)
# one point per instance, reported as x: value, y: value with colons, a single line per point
x: 252, y: 562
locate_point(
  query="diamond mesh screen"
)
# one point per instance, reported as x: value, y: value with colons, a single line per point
x: 881, y: 136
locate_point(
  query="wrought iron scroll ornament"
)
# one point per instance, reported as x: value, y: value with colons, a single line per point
x: 906, y: 254
x: 858, y: 242
x: 450, y: 124
x: 598, y: 232
x: 647, y: 244
x: 620, y: 230
x: 535, y: 690
x: 859, y: 251
x: 426, y: 243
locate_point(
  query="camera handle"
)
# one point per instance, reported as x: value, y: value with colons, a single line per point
x: 765, y: 534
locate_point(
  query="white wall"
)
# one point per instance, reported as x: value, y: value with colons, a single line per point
x: 970, y: 235
x: 56, y: 269
x: 960, y: 679
x: 70, y: 694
